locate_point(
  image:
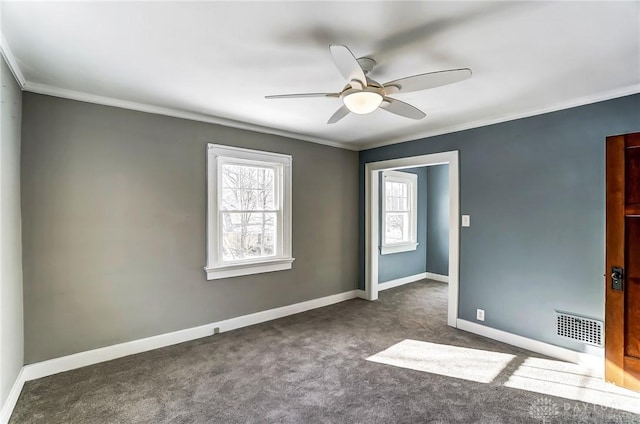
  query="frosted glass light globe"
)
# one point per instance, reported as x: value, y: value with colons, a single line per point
x: 362, y: 102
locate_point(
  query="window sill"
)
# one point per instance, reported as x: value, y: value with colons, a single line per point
x: 398, y: 248
x: 236, y: 270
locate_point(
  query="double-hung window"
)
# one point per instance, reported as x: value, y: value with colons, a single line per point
x: 399, y: 212
x: 249, y: 212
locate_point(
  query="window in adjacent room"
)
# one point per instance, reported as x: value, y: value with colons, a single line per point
x: 249, y: 212
x: 399, y: 212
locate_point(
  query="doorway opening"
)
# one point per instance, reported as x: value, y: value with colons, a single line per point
x: 372, y: 221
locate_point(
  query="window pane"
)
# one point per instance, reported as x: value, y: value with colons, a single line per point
x: 396, y: 196
x: 397, y: 228
x: 391, y: 189
x: 389, y: 195
x: 403, y: 204
x: 397, y: 204
x: 397, y: 189
x: 247, y: 188
x: 248, y: 235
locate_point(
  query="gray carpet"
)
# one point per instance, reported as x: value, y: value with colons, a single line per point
x: 306, y: 368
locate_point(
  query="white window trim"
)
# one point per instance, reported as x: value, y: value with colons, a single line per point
x: 412, y: 181
x: 398, y: 248
x: 282, y: 260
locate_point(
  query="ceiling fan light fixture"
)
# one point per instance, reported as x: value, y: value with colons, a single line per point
x: 363, y: 95
x: 362, y: 102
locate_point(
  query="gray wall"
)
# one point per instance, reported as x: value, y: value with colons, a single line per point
x: 438, y: 219
x: 535, y: 190
x: 114, y: 226
x: 11, y: 323
x: 398, y: 265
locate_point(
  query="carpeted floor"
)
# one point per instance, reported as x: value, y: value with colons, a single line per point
x: 308, y: 368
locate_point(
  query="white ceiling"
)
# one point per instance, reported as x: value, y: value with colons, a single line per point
x: 215, y: 61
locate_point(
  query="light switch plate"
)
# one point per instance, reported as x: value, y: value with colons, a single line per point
x: 466, y: 220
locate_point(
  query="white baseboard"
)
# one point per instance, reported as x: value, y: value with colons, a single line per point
x: 12, y: 398
x: 90, y: 357
x: 588, y: 360
x: 401, y: 281
x: 82, y: 359
x: 437, y: 277
x: 362, y: 294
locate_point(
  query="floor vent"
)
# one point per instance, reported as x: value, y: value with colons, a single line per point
x: 582, y: 329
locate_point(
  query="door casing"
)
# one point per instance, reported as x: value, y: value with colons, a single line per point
x: 372, y: 217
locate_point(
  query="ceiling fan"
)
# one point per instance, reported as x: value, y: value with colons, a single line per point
x: 363, y: 95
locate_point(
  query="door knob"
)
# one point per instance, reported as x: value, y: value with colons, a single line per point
x: 617, y: 276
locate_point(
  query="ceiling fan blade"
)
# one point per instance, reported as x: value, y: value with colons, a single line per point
x: 340, y: 113
x: 297, y: 96
x: 402, y: 108
x: 428, y: 80
x: 347, y: 63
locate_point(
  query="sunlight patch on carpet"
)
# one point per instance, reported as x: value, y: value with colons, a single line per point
x: 571, y: 381
x: 451, y: 361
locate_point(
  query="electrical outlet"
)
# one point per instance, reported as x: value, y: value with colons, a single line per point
x: 480, y: 314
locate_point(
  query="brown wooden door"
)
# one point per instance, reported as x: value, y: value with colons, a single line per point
x: 622, y: 312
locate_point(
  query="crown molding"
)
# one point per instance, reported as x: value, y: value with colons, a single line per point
x: 12, y: 63
x: 50, y: 90
x: 355, y: 146
x: 581, y: 101
x: 175, y: 113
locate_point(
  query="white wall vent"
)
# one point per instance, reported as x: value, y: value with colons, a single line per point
x: 579, y: 328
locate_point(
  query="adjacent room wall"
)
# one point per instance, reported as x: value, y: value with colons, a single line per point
x: 11, y: 323
x: 535, y: 190
x: 114, y: 226
x: 405, y: 264
x: 438, y: 219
